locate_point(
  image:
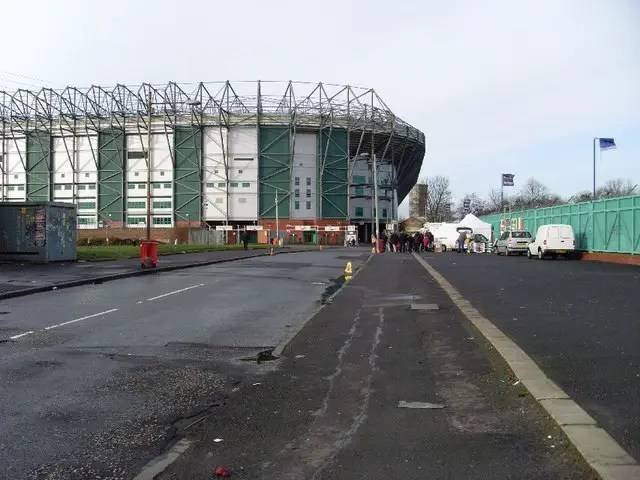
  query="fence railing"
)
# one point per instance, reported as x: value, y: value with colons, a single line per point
x: 607, y: 225
x: 206, y: 237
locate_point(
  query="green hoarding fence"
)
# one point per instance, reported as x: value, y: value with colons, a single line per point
x: 333, y: 160
x: 37, y: 171
x: 609, y: 225
x: 187, y: 181
x: 274, y: 171
x: 111, y: 167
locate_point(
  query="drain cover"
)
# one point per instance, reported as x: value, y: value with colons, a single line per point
x: 425, y: 306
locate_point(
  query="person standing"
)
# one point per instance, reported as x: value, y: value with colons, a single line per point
x: 461, y: 240
x: 245, y: 240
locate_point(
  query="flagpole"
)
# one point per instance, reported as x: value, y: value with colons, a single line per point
x: 594, y: 168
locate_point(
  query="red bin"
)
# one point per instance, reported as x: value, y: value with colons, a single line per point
x: 148, y: 254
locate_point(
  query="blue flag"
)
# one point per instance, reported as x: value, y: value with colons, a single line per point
x: 607, y: 143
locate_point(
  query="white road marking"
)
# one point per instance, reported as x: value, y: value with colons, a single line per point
x: 80, y: 319
x: 15, y: 337
x: 174, y: 292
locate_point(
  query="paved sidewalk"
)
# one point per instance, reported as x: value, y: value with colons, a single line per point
x: 335, y: 407
x: 18, y: 279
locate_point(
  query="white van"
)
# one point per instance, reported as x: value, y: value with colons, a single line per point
x: 552, y: 240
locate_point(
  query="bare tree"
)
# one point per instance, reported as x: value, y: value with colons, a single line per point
x: 584, y: 196
x: 535, y: 194
x: 438, y: 206
x: 493, y: 204
x: 617, y: 187
x: 476, y: 205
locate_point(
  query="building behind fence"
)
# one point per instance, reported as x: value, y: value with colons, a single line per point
x: 609, y: 225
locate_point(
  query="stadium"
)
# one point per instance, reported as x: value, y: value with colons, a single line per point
x: 294, y: 158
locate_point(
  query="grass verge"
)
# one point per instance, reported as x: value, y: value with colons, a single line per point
x: 116, y: 252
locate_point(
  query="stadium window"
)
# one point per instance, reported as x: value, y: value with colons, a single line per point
x: 86, y: 175
x: 162, y: 204
x: 141, y: 186
x: 167, y: 185
x: 246, y: 184
x: 67, y: 186
x: 62, y: 175
x: 308, y: 181
x: 359, y: 212
x: 57, y: 186
x: 131, y: 186
x: 135, y: 220
x: 92, y: 186
x: 221, y: 184
x: 15, y: 176
x: 240, y: 172
x: 134, y: 204
x: 233, y: 184
x: 20, y: 188
x: 162, y: 173
x: 11, y: 188
x: 162, y: 220
x: 135, y: 154
x: 81, y: 187
x: 210, y: 185
x: 136, y: 173
x: 297, y: 181
x: 86, y: 220
x: 308, y: 205
x: 308, y: 193
x: 86, y: 205
x: 297, y: 192
x: 297, y: 205
x: 243, y: 159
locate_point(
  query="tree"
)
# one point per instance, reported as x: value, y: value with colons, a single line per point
x: 439, y: 201
x: 493, y: 204
x: 476, y: 205
x: 617, y: 187
x: 535, y: 194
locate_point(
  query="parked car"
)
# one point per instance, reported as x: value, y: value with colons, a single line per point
x: 552, y: 240
x: 515, y: 241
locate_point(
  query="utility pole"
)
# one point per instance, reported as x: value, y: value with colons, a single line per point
x: 149, y: 167
x: 594, y: 169
x: 277, y: 219
x: 375, y: 201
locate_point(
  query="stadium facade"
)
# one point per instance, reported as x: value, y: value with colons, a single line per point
x: 186, y: 156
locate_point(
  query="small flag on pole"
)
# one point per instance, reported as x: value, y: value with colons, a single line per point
x: 507, y: 179
x: 607, y: 143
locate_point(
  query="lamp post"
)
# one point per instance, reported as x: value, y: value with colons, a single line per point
x: 277, y: 220
x: 375, y: 201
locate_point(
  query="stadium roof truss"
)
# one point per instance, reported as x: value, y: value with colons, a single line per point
x: 372, y: 128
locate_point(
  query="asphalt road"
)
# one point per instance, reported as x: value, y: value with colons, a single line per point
x: 96, y: 380
x: 332, y: 410
x: 580, y: 322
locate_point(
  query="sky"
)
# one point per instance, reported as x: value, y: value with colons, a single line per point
x: 497, y: 86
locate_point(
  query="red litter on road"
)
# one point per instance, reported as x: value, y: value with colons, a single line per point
x: 222, y: 472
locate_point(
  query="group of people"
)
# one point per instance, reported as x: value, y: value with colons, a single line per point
x: 406, y: 243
